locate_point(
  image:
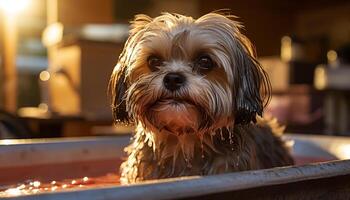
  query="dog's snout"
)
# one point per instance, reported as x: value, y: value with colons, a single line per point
x: 174, y: 81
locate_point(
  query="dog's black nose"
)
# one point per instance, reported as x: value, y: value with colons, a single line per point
x: 174, y: 81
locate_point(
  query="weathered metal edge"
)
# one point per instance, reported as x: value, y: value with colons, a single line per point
x: 197, y: 185
x: 49, y: 151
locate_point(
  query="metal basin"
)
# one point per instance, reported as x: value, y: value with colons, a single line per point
x: 322, y: 171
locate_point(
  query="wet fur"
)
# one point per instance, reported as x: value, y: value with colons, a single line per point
x: 250, y: 147
x: 210, y: 125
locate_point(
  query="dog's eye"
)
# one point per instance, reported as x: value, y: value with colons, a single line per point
x: 154, y: 62
x: 204, y: 63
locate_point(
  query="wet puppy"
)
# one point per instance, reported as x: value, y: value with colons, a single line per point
x: 194, y: 90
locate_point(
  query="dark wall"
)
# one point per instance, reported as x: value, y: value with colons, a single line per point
x: 267, y: 21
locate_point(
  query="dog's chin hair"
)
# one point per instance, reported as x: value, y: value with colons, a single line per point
x: 182, y: 151
x: 174, y: 116
x: 173, y: 142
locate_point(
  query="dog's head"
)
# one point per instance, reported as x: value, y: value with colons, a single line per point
x: 184, y: 75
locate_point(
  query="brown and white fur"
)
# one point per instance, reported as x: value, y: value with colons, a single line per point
x: 203, y: 118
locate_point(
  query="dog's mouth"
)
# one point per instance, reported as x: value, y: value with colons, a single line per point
x: 174, y: 115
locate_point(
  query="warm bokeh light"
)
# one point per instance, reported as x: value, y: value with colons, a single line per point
x: 343, y: 151
x: 43, y: 107
x: 31, y: 187
x: 13, y: 192
x: 286, y: 48
x: 13, y: 6
x: 44, y: 76
x: 7, y: 142
x: 52, y: 34
x: 36, y: 183
x: 320, y: 80
x: 332, y: 56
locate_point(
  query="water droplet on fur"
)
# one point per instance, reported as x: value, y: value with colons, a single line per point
x: 189, y: 165
x: 202, y: 145
x: 230, y: 136
x: 221, y: 135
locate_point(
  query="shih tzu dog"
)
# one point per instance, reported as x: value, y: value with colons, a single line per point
x: 194, y: 90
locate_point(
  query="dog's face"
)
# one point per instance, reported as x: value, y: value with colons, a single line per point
x: 181, y: 75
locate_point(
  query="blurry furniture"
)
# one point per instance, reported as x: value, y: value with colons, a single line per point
x: 299, y: 108
x: 46, y: 124
x: 296, y: 105
x: 81, y: 59
x: 51, y: 127
x: 80, y: 69
x: 335, y: 83
x: 12, y: 126
x: 295, y: 102
x: 62, y: 126
x: 81, y: 56
x: 278, y: 72
x: 79, y: 80
x: 112, y: 130
x: 333, y: 79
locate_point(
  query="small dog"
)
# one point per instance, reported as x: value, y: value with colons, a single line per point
x: 194, y: 90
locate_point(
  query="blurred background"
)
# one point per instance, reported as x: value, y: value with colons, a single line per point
x: 56, y: 57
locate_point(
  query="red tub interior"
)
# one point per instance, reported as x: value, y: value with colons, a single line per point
x: 51, y: 178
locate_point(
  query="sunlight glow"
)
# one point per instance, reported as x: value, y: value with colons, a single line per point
x: 7, y: 142
x: 52, y: 34
x: 12, y: 7
x: 13, y: 192
x: 343, y: 151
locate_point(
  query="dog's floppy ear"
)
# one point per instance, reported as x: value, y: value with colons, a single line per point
x: 252, y: 86
x: 117, y: 88
x: 118, y: 83
x: 249, y: 82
